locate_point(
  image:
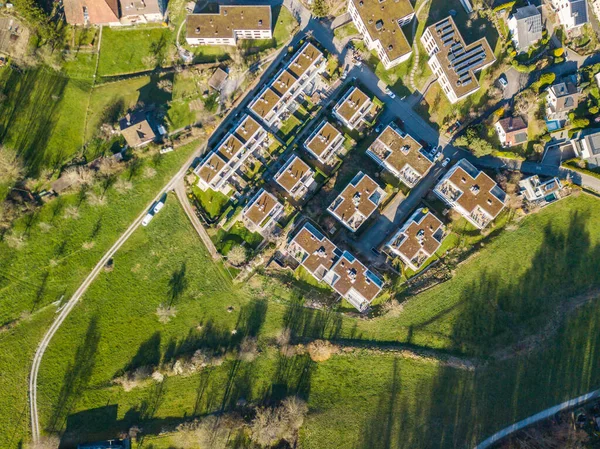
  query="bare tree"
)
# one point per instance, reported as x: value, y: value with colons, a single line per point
x: 237, y: 255
x: 274, y: 424
x: 11, y: 167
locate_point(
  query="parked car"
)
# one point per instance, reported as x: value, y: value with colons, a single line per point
x: 158, y: 207
x: 446, y: 162
x: 389, y: 92
x: 147, y: 219
x: 503, y: 81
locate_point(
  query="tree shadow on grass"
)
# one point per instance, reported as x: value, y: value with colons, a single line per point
x: 148, y: 354
x: 303, y: 322
x: 77, y: 376
x: 500, y: 308
x: 178, y: 284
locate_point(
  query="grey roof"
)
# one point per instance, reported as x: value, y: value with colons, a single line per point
x: 529, y: 26
x: 579, y: 12
x: 567, y: 95
x: 593, y: 141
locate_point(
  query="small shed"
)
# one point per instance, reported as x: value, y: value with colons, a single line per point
x: 217, y: 79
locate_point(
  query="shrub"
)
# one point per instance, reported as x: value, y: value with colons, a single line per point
x: 272, y: 425
x: 237, y: 255
x: 558, y: 52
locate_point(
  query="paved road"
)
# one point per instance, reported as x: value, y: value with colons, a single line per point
x: 189, y: 211
x: 66, y: 309
x: 545, y: 414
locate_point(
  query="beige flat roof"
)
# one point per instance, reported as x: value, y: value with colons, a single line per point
x: 381, y: 20
x: 229, y: 18
x: 352, y: 103
x: 403, y: 150
x: 304, y: 60
x: 326, y: 134
x: 211, y: 167
x: 295, y: 169
x: 261, y: 208
x: 265, y: 103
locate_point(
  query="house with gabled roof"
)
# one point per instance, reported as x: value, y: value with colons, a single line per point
x: 472, y: 193
x: 357, y: 202
x: 562, y: 98
x: 136, y: 129
x: 262, y: 212
x: 511, y: 131
x: 525, y: 27
x: 353, y: 107
x: 324, y: 142
x: 454, y: 62
x: 418, y: 239
x: 295, y: 177
x: 400, y: 154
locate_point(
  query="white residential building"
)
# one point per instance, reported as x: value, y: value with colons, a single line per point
x: 380, y: 23
x: 340, y: 269
x: 571, y: 13
x: 587, y: 146
x: 262, y: 212
x: 218, y: 166
x: 471, y: 193
x: 418, y: 239
x: 538, y: 192
x: 277, y: 97
x: 453, y: 61
x: 353, y: 108
x: 324, y: 142
x: 295, y: 177
x: 357, y: 202
x: 231, y: 23
x: 400, y: 154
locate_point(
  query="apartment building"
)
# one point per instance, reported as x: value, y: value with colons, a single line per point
x: 380, y: 22
x: 295, y: 177
x: 525, y: 27
x: 262, y: 212
x: 230, y: 23
x: 511, y: 131
x: 113, y: 12
x: 471, y: 193
x: 400, y: 154
x: 453, y: 61
x: 353, y: 107
x: 324, y: 142
x: 294, y: 79
x: 571, y: 14
x: 340, y: 269
x: 357, y: 202
x: 418, y: 239
x: 134, y: 12
x: 217, y: 168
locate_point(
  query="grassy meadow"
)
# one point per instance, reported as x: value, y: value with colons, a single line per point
x: 357, y: 399
x: 42, y: 116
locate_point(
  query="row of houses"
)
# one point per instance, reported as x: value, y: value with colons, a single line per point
x: 113, y: 12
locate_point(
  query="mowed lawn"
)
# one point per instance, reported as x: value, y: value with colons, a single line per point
x: 133, y: 50
x: 42, y: 116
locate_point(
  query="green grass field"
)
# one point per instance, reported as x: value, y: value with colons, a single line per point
x: 213, y: 203
x: 359, y: 399
x: 42, y: 117
x: 237, y: 235
x: 133, y: 50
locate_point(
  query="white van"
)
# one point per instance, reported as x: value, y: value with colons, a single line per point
x: 147, y: 219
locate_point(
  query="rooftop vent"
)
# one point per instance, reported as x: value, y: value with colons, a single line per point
x: 379, y: 24
x: 390, y: 47
x: 224, y: 12
x: 197, y: 30
x: 475, y: 189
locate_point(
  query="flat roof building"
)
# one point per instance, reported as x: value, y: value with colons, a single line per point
x: 538, y: 192
x: 353, y: 107
x: 218, y: 166
x: 340, y: 269
x: 472, y: 193
x: 401, y: 155
x: 230, y: 23
x: 380, y: 23
x: 290, y: 82
x: 295, y: 177
x: 262, y: 212
x: 587, y: 146
x: 357, y: 202
x: 453, y: 61
x: 324, y: 142
x: 418, y: 239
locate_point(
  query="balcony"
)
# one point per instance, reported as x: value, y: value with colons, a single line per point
x: 450, y: 192
x: 480, y: 217
x: 409, y: 176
